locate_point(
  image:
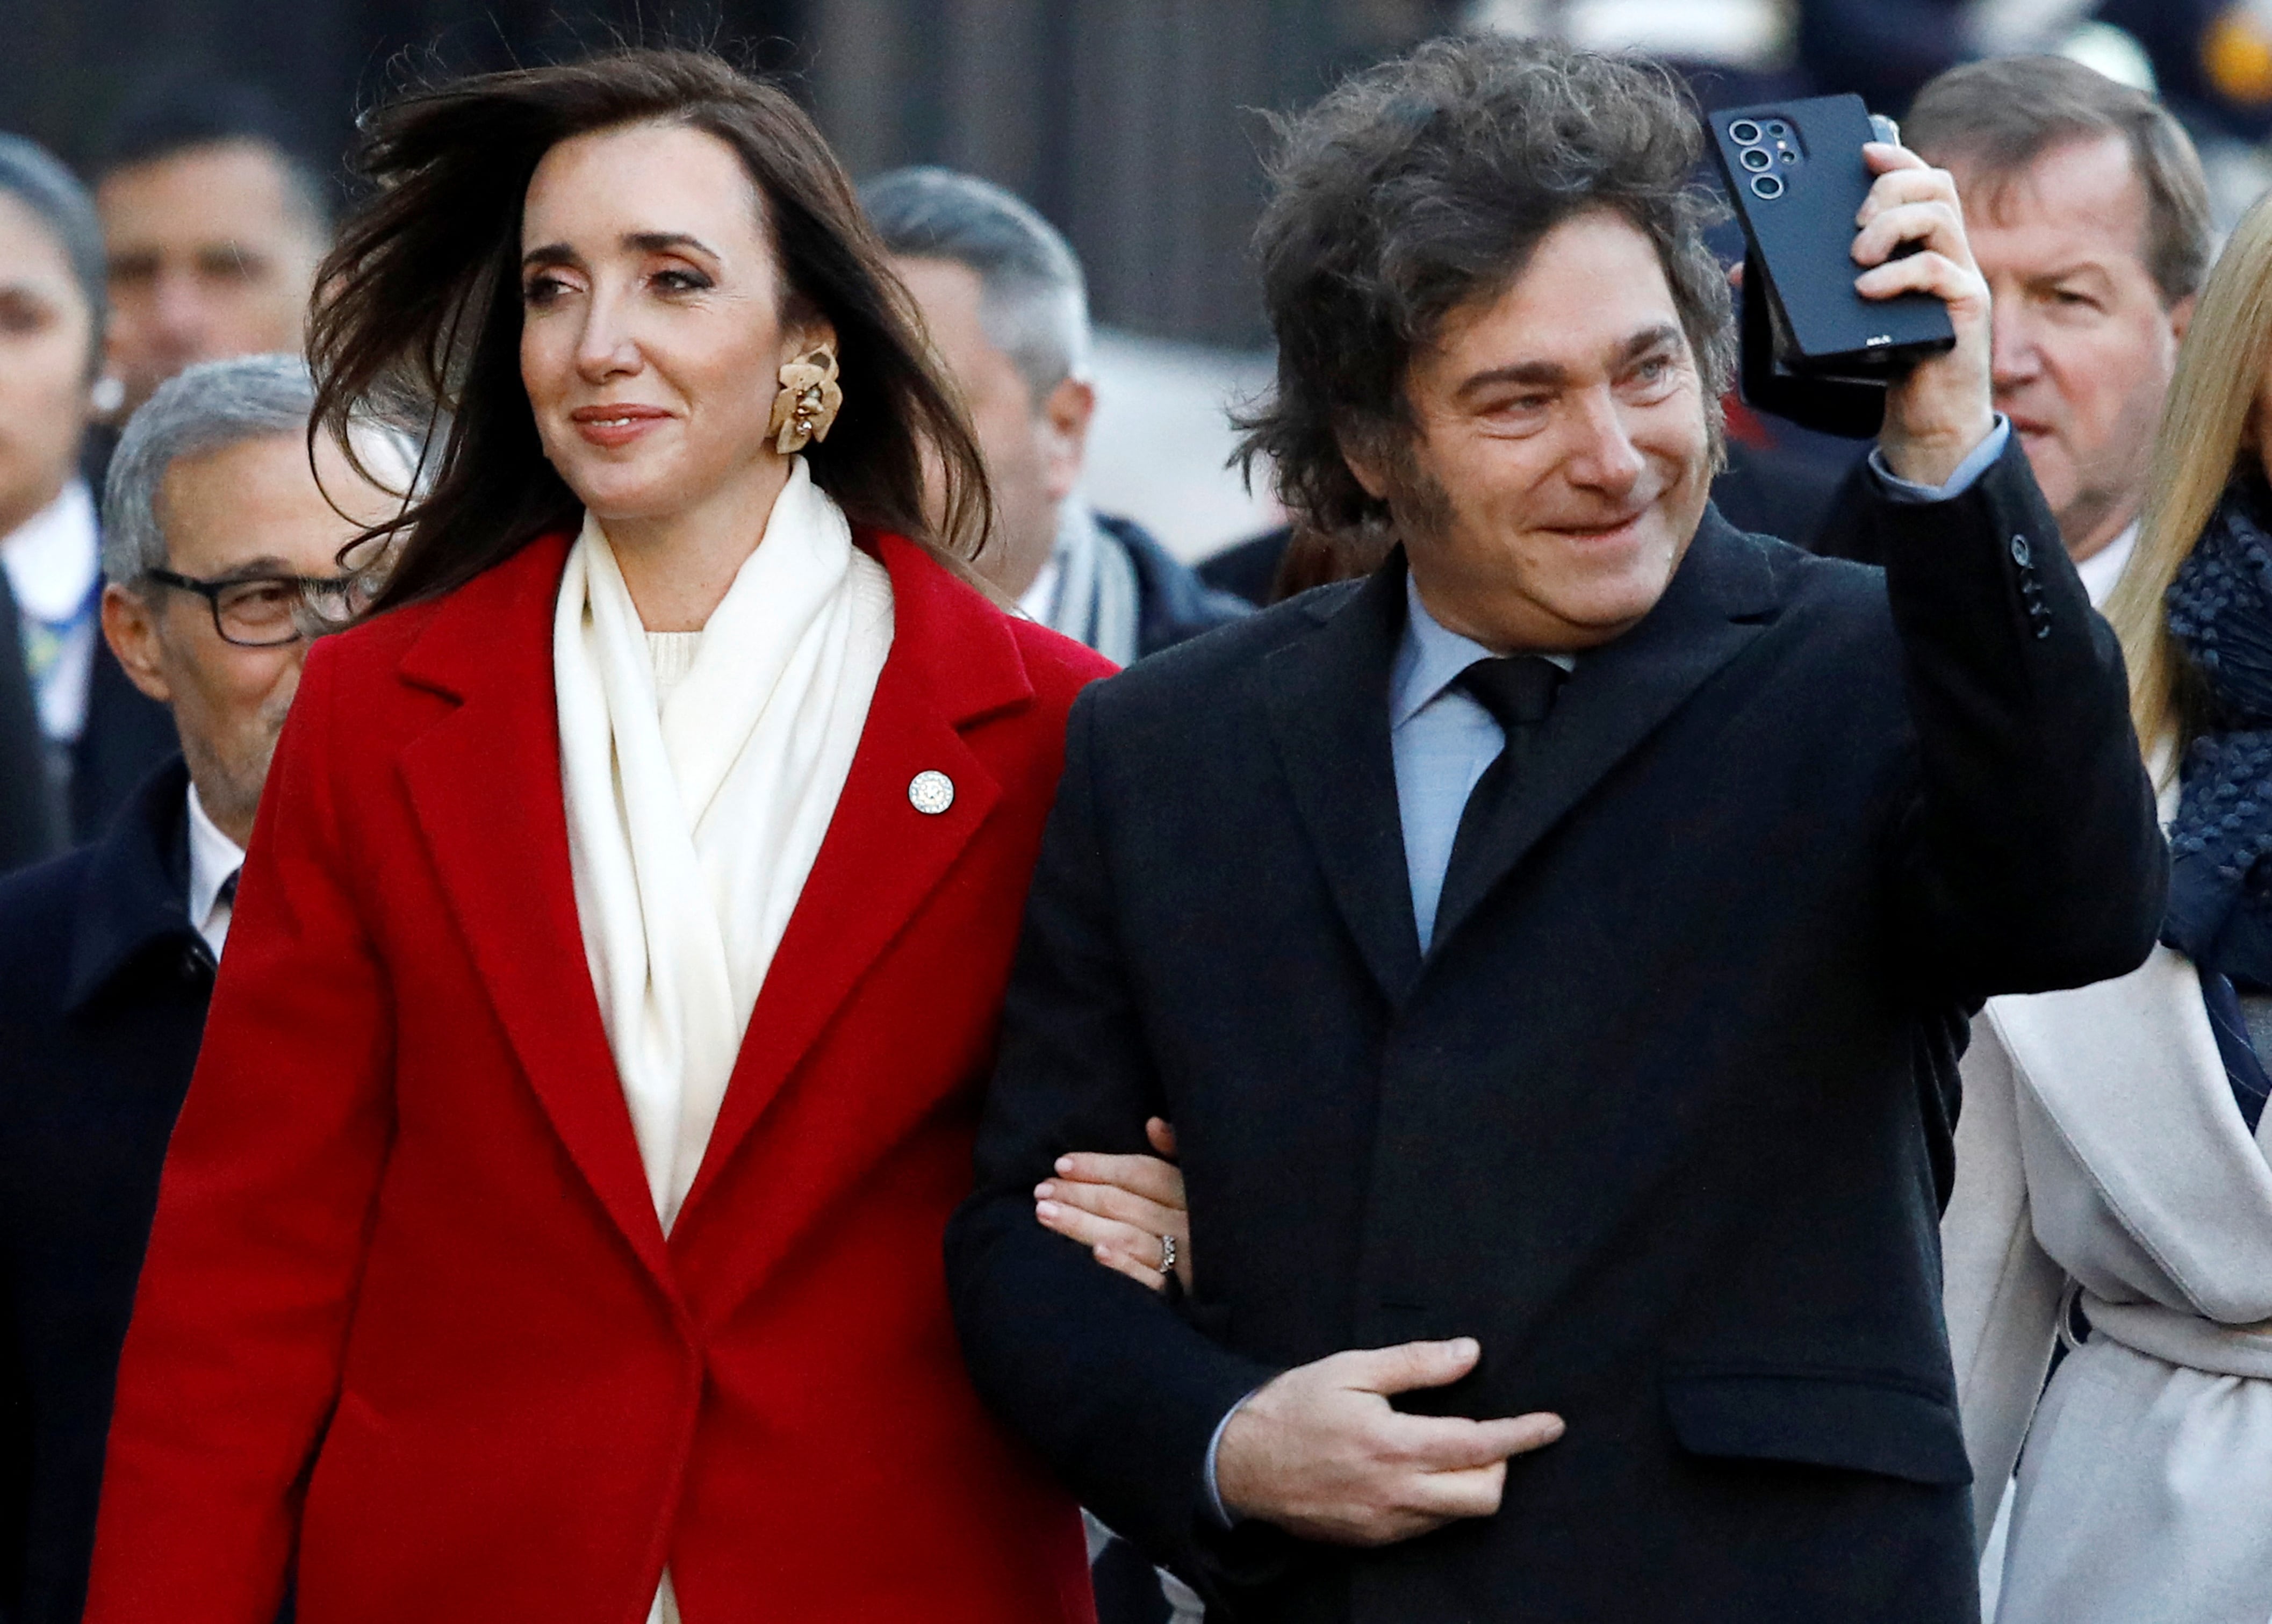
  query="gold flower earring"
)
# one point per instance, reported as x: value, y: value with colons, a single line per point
x: 808, y: 402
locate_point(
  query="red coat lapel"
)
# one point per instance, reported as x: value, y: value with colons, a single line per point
x: 954, y: 662
x: 485, y: 784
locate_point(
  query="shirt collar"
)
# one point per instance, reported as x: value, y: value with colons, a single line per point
x: 1429, y: 657
x: 214, y: 859
x: 53, y: 558
x: 2103, y: 568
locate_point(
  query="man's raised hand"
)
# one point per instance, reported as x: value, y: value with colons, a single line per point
x: 1938, y: 411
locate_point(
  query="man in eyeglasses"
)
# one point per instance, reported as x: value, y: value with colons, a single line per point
x: 220, y: 553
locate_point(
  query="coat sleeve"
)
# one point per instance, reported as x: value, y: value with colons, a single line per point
x: 2002, y: 1291
x: 232, y: 1362
x: 2027, y: 855
x: 1116, y: 1391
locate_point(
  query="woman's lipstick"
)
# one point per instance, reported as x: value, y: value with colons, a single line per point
x: 613, y: 427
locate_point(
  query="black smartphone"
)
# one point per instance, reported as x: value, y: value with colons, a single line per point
x: 1795, y: 172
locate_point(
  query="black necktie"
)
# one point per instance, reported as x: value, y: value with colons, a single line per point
x: 226, y: 897
x: 1518, y: 691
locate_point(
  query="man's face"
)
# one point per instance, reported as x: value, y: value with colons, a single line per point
x: 249, y: 509
x: 2083, y: 343
x: 1033, y: 451
x: 1561, y: 460
x: 211, y: 255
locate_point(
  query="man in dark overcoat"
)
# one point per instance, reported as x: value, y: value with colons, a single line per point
x: 108, y: 953
x: 1553, y: 951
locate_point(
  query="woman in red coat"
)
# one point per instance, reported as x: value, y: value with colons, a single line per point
x: 553, y: 1229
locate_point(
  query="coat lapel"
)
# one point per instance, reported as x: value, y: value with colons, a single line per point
x: 1328, y: 700
x: 485, y: 783
x: 953, y: 663
x: 1716, y: 604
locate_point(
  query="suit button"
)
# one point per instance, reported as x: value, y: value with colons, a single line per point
x: 196, y: 961
x: 2020, y: 553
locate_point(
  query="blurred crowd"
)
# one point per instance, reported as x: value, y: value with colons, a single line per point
x: 172, y: 537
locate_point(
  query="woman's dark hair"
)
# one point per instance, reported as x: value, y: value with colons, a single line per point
x: 1425, y: 183
x: 421, y: 313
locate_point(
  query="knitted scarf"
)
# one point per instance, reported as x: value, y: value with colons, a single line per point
x: 2220, y: 907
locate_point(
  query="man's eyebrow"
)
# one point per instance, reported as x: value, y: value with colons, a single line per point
x: 2071, y: 269
x: 1539, y: 374
x: 253, y: 569
x: 1652, y: 338
x: 1551, y: 374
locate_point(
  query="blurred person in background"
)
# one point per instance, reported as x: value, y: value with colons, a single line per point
x: 213, y: 223
x: 2114, y: 1159
x: 552, y: 1228
x: 52, y: 313
x: 219, y: 542
x: 101, y: 737
x: 1886, y: 51
x: 1006, y: 308
x: 2089, y: 214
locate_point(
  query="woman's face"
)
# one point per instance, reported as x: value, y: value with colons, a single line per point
x: 46, y: 329
x: 652, y: 339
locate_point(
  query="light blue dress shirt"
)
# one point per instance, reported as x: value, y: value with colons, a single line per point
x: 1441, y: 740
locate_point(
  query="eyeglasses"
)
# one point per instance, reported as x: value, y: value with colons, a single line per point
x: 268, y: 611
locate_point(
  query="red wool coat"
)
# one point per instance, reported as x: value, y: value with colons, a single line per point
x: 407, y: 1309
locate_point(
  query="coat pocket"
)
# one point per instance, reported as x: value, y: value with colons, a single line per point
x: 1860, y: 1420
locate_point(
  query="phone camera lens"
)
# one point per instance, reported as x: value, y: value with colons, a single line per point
x: 1788, y: 156
x: 1744, y: 132
x: 1756, y: 159
x: 1766, y: 188
x: 1778, y: 129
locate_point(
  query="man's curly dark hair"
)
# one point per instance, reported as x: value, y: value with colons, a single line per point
x: 1424, y: 184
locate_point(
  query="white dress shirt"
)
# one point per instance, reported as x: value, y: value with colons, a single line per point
x: 54, y: 570
x: 215, y: 860
x: 2105, y: 567
x: 1441, y: 740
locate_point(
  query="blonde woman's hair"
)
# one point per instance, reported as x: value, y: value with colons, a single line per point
x: 2205, y: 439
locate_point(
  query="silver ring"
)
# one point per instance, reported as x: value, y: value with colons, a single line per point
x: 1166, y: 1254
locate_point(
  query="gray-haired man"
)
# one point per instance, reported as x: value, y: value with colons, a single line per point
x: 220, y: 555
x: 1007, y: 309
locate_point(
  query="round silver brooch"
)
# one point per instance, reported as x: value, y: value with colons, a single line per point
x: 930, y: 793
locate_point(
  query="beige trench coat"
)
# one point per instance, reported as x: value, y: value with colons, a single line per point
x: 2100, y: 1153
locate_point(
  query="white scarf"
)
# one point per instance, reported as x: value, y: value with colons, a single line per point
x: 693, y: 823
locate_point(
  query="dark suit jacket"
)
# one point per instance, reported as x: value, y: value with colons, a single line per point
x: 128, y: 734
x: 1173, y: 604
x: 30, y: 814
x: 1663, y: 1119
x: 103, y: 986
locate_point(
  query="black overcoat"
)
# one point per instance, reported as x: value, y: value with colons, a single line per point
x: 103, y: 988
x: 1663, y: 1118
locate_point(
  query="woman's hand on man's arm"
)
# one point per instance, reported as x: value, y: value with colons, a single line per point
x: 1128, y: 1210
